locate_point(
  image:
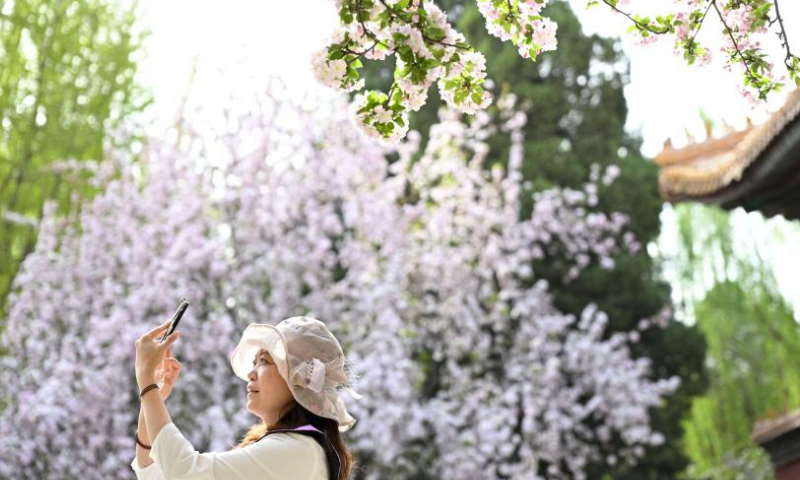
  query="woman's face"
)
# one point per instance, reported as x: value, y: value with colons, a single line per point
x: 267, y: 392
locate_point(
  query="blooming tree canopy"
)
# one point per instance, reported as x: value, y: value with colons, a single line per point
x: 421, y: 268
x: 428, y: 49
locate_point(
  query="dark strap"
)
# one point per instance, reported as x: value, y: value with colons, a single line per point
x: 334, y: 462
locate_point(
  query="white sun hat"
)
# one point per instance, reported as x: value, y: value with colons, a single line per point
x: 310, y: 360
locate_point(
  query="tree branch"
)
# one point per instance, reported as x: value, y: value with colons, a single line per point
x: 782, y: 34
x: 643, y: 26
x: 700, y: 23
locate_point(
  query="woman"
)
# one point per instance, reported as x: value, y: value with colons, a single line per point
x: 294, y: 373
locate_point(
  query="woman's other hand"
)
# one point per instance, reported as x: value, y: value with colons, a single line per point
x: 167, y: 374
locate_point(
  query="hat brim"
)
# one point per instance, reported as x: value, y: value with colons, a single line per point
x: 259, y: 336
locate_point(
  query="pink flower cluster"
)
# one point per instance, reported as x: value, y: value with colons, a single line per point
x: 520, y: 21
x: 426, y: 49
x: 472, y: 65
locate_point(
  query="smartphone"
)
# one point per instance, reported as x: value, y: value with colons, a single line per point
x: 175, y: 319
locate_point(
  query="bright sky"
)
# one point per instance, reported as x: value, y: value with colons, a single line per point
x: 251, y: 39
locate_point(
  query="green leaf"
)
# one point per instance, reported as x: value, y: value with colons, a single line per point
x: 435, y: 32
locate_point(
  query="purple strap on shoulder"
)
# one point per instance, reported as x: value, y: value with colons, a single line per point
x: 302, y: 428
x: 308, y: 427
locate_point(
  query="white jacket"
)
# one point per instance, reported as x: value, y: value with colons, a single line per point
x: 280, y: 456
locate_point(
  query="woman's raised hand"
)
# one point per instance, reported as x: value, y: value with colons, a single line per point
x: 167, y: 374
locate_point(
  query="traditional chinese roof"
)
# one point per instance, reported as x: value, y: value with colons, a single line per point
x: 757, y: 168
x: 780, y: 437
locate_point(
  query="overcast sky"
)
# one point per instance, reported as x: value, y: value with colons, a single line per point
x: 252, y: 39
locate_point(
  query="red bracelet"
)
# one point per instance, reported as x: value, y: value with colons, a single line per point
x: 146, y: 447
x: 147, y: 389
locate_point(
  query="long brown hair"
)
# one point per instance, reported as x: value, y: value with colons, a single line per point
x: 298, y: 416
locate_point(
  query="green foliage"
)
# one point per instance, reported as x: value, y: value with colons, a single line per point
x: 793, y: 65
x: 753, y: 345
x: 66, y: 76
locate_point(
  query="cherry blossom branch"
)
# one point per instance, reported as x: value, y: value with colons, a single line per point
x: 756, y: 70
x: 733, y: 39
x: 637, y: 22
x: 396, y: 14
x: 428, y: 49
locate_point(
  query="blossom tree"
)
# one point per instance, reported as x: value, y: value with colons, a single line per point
x: 422, y: 268
x: 428, y: 49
